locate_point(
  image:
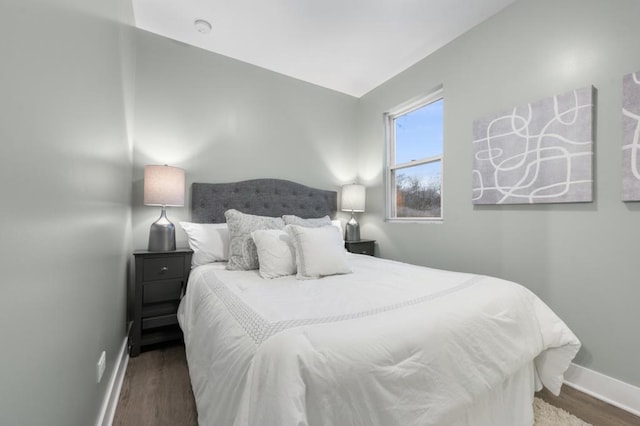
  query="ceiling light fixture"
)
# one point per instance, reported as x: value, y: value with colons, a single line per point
x: 203, y: 27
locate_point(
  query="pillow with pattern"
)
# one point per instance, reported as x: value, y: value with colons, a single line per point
x: 315, y: 222
x: 243, y: 254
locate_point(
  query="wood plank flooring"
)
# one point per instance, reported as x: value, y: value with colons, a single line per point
x: 157, y: 392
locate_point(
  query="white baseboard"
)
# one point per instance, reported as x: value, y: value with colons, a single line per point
x: 110, y: 402
x: 605, y: 388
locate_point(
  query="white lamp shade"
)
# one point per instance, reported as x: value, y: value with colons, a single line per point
x: 163, y: 186
x: 353, y: 198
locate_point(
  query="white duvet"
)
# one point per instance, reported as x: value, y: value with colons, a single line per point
x: 389, y: 344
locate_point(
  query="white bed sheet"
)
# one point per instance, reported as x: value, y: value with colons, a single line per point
x: 390, y: 344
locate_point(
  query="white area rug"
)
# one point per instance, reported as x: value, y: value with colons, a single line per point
x: 548, y: 415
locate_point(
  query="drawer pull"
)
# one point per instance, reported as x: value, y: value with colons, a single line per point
x: 161, y: 268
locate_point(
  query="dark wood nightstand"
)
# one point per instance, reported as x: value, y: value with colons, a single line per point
x: 361, y: 246
x: 161, y: 279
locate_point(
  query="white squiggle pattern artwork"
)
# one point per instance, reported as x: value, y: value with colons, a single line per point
x: 631, y: 137
x: 541, y: 152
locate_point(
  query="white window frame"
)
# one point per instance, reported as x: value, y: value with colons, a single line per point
x: 391, y: 166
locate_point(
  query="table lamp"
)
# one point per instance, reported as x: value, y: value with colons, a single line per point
x: 353, y: 199
x: 163, y: 186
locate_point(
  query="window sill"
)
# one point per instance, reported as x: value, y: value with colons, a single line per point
x: 434, y: 220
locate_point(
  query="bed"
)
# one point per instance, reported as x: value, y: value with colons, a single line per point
x: 386, y: 344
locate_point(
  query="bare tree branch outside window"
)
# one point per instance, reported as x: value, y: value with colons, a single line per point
x: 417, y: 197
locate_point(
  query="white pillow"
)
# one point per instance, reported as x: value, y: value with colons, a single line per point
x: 276, y: 255
x: 338, y: 225
x: 209, y: 242
x: 319, y: 251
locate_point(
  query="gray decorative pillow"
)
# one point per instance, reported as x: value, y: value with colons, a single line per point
x: 316, y: 222
x: 243, y: 254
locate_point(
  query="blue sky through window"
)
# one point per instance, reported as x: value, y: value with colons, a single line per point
x: 419, y: 133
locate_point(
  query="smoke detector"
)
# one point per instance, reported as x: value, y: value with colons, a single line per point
x: 203, y: 27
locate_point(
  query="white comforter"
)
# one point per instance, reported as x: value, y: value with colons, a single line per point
x: 390, y: 344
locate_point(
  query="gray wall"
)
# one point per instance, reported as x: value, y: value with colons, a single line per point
x: 67, y: 142
x: 223, y: 120
x: 65, y: 215
x: 580, y: 258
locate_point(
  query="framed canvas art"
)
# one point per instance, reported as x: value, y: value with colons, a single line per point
x: 631, y: 137
x: 540, y: 152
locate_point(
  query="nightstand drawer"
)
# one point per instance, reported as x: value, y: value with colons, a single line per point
x: 160, y: 309
x: 161, y: 321
x: 163, y: 268
x: 161, y: 291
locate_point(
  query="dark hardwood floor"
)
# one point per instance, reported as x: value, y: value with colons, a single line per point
x: 157, y: 392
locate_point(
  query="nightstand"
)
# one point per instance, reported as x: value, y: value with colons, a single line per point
x: 160, y: 282
x: 361, y: 246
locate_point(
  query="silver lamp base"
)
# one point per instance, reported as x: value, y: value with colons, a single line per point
x: 352, y: 230
x: 162, y: 235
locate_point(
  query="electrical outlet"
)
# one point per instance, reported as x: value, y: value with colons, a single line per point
x: 102, y: 364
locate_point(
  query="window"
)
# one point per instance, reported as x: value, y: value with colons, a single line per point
x: 414, y: 160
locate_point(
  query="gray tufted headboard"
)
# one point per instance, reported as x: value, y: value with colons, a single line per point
x: 264, y: 197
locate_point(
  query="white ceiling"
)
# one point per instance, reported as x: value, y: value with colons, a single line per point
x: 350, y: 46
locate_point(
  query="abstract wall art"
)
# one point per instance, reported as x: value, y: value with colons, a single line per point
x: 631, y: 137
x: 541, y: 152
